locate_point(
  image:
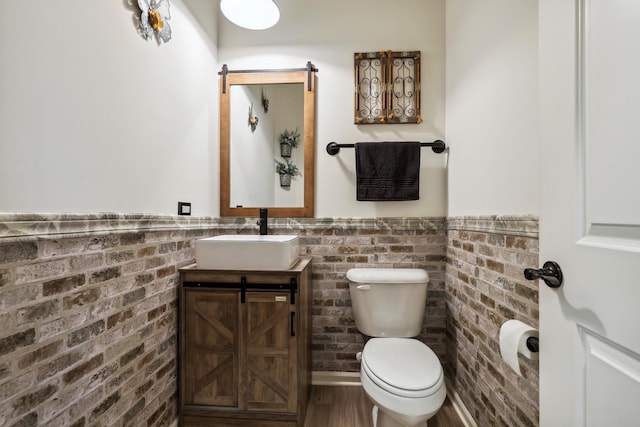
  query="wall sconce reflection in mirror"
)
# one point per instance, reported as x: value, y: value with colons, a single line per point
x: 387, y: 87
x: 265, y: 101
x: 253, y: 119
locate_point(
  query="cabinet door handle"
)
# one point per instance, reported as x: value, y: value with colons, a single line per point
x: 293, y: 332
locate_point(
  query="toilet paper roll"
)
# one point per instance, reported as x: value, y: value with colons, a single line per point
x: 513, y: 340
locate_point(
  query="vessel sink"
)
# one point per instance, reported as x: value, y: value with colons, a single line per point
x: 247, y: 252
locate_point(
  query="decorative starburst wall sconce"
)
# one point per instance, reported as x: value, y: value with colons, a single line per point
x: 154, y: 17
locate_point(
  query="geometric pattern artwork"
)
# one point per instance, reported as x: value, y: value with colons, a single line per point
x: 387, y: 87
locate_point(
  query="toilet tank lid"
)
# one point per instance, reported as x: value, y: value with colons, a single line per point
x: 387, y: 275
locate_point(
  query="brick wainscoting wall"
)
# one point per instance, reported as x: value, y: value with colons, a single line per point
x: 485, y: 287
x: 88, y: 308
x: 338, y: 245
x: 88, y: 313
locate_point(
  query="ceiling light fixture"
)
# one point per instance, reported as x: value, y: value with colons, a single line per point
x: 251, y: 14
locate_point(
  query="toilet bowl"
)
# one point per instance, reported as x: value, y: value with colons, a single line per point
x: 404, y: 379
x: 401, y: 375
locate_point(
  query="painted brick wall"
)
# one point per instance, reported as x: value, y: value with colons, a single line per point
x: 338, y: 245
x: 485, y: 287
x: 88, y: 308
x: 88, y: 305
x: 89, y: 319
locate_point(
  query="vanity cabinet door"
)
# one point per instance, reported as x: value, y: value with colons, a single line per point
x: 244, y: 347
x: 268, y: 362
x: 211, y: 348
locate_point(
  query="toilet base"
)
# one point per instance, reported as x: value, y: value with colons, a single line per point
x: 380, y: 419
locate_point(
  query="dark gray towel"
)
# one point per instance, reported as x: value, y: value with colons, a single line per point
x: 387, y: 171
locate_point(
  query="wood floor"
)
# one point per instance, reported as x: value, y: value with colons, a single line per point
x: 348, y: 406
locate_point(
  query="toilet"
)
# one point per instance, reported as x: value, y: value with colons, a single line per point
x: 401, y: 375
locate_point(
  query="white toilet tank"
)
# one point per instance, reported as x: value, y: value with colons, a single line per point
x: 388, y: 302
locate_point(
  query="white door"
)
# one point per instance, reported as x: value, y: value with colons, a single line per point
x: 590, y: 212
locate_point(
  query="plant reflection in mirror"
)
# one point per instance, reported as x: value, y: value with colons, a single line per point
x: 290, y: 137
x: 288, y: 168
x: 286, y: 171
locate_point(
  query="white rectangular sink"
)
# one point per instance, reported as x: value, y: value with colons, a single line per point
x: 247, y: 252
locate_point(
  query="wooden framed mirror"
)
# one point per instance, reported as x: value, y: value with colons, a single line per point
x: 257, y: 109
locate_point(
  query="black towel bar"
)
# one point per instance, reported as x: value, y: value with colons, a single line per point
x: 438, y: 146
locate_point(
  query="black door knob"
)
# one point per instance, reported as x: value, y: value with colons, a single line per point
x: 550, y: 272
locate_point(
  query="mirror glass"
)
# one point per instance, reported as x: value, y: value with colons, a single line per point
x: 257, y: 112
x: 255, y: 147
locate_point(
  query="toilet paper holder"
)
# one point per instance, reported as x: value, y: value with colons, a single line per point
x: 518, y: 338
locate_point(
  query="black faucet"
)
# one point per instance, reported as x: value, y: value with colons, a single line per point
x: 262, y: 222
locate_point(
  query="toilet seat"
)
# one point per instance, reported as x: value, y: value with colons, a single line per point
x: 404, y: 367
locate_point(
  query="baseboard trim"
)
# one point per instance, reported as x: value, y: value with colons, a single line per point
x: 335, y: 378
x: 458, y: 405
x: 353, y: 379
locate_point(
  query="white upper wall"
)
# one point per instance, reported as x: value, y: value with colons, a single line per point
x: 492, y: 106
x: 328, y: 33
x: 93, y: 118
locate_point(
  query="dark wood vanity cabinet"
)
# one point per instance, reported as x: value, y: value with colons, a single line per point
x: 244, y: 346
